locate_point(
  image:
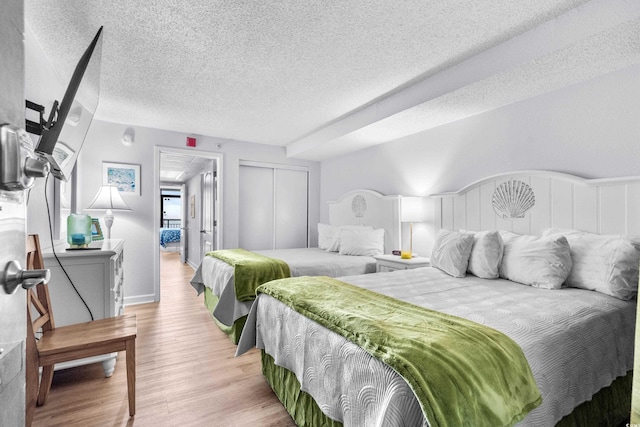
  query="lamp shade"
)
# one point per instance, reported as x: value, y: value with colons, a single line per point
x: 109, y: 198
x: 411, y: 209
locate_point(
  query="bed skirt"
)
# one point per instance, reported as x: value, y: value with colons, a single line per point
x: 234, y: 331
x: 300, y: 405
x: 611, y: 405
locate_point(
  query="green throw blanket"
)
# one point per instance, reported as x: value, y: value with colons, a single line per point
x: 463, y: 373
x: 251, y: 270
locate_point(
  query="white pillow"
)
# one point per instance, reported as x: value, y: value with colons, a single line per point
x: 542, y: 262
x: 361, y: 241
x: 451, y: 252
x: 486, y: 254
x: 603, y: 263
x: 335, y: 244
x: 327, y: 234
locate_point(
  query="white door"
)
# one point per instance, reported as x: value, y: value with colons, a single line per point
x: 13, y: 218
x: 291, y: 219
x: 207, y: 217
x: 273, y: 206
x: 183, y: 224
x: 13, y: 316
x: 255, y: 220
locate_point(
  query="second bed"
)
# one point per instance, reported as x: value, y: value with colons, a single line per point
x: 363, y: 223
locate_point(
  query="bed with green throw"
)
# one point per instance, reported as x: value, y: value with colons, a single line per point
x: 436, y: 350
x: 229, y: 278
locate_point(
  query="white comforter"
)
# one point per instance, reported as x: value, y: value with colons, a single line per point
x: 218, y: 275
x: 576, y: 342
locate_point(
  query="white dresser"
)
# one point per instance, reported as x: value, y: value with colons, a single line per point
x: 97, y: 274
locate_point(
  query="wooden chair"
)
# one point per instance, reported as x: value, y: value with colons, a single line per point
x: 57, y: 345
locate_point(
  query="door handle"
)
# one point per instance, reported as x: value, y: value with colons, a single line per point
x: 15, y: 276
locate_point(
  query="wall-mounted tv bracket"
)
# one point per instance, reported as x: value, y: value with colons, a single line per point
x: 19, y: 165
x: 37, y: 127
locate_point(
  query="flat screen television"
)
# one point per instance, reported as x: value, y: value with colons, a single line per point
x: 64, y: 132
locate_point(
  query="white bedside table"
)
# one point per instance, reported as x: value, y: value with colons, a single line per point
x: 390, y: 262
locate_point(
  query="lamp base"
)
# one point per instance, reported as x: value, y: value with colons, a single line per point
x: 108, y: 222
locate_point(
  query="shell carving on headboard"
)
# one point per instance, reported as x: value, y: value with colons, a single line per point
x: 359, y: 205
x: 512, y: 199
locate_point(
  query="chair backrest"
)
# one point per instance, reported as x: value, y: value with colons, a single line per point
x: 38, y: 297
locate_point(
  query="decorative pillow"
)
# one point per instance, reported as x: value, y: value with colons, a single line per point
x: 335, y: 244
x: 603, y: 263
x: 486, y: 254
x: 451, y: 252
x: 361, y: 241
x: 542, y: 262
x: 327, y: 234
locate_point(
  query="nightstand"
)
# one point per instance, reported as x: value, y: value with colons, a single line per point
x: 394, y: 262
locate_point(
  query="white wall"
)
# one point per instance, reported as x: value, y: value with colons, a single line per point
x: 590, y: 129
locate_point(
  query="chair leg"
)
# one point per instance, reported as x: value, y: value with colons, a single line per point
x: 130, y: 348
x: 45, y: 384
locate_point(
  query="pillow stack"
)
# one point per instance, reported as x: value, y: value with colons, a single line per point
x: 479, y: 253
x: 362, y: 240
x: 607, y: 264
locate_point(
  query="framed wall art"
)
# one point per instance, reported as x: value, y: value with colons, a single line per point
x: 124, y: 176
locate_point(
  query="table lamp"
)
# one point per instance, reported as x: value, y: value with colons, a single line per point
x: 108, y: 198
x: 410, y: 211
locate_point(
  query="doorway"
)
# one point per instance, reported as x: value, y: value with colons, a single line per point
x: 198, y: 174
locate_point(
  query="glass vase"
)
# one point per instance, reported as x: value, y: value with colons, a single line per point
x: 78, y: 230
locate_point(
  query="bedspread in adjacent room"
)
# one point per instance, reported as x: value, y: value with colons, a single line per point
x: 218, y: 276
x: 169, y: 235
x: 575, y: 341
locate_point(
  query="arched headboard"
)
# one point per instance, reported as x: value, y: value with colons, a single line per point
x: 527, y: 202
x: 368, y: 207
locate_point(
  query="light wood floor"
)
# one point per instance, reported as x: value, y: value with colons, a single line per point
x: 187, y: 374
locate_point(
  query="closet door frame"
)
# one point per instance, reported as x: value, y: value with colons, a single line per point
x: 275, y: 167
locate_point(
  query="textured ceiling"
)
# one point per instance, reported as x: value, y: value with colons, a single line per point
x: 328, y: 77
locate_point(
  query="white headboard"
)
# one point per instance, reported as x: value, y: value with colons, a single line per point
x: 368, y: 207
x: 546, y: 199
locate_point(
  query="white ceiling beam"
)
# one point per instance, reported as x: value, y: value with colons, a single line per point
x: 557, y: 34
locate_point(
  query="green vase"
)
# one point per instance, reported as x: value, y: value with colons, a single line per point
x: 78, y: 230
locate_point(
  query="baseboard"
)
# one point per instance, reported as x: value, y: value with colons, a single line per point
x: 139, y: 299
